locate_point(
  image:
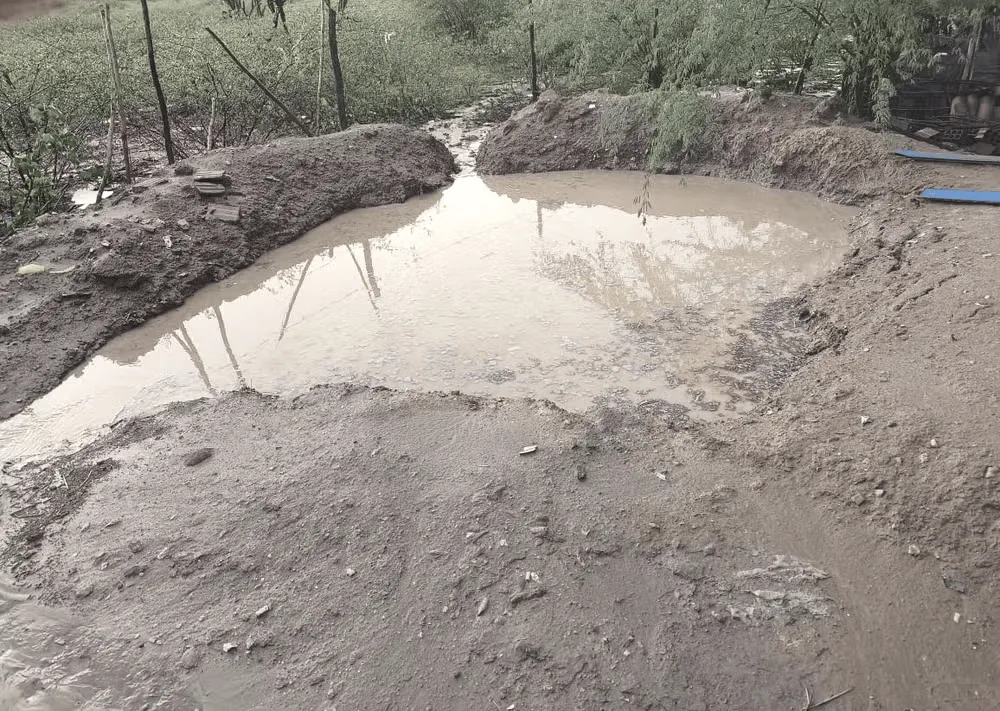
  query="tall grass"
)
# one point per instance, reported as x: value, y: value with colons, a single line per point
x: 397, y: 68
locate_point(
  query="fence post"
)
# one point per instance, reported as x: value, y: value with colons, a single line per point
x: 164, y: 116
x: 338, y: 71
x: 534, y: 58
x: 319, y: 71
x: 109, y: 155
x: 210, y: 138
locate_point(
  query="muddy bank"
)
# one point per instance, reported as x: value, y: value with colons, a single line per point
x: 141, y: 255
x: 896, y: 423
x: 374, y: 549
x: 788, y: 142
x: 894, y: 419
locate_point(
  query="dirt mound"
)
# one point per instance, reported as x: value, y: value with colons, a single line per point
x: 369, y: 549
x: 596, y: 130
x: 895, y: 422
x: 147, y: 250
x: 378, y: 550
x: 781, y: 144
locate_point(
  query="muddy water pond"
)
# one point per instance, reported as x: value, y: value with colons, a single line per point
x: 546, y: 286
x: 51, y: 660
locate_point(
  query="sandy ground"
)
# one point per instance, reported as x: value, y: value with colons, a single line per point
x: 357, y: 548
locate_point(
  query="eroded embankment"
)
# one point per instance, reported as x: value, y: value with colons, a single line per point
x: 145, y: 254
x: 787, y: 143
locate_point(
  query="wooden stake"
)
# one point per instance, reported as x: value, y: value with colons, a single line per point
x: 338, y: 71
x: 210, y: 141
x: 319, y: 71
x: 108, y: 156
x: 164, y: 116
x: 116, y: 81
x: 534, y: 58
x: 267, y: 92
x: 970, y: 59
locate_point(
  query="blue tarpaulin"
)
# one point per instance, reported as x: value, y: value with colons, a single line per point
x: 951, y: 157
x: 970, y: 196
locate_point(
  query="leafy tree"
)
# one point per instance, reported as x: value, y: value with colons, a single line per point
x: 636, y: 45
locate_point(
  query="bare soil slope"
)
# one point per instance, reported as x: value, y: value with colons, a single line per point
x: 786, y: 143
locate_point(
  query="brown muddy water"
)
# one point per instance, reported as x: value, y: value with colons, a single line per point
x: 49, y: 662
x: 545, y: 286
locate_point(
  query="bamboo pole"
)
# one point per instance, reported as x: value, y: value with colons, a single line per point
x: 210, y: 139
x: 654, y: 75
x: 267, y: 92
x: 116, y: 81
x: 970, y: 59
x: 338, y: 71
x: 151, y: 57
x: 534, y: 56
x: 319, y: 71
x: 108, y: 156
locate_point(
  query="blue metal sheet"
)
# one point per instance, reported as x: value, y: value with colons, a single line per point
x: 970, y: 196
x: 951, y: 157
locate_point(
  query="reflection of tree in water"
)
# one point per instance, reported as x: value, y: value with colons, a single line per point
x: 182, y: 337
x: 705, y: 261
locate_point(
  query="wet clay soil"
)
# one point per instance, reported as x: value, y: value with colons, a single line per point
x: 391, y: 549
x: 149, y: 248
x: 545, y: 286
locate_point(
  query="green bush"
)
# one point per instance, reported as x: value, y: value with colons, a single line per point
x: 681, y: 126
x: 467, y: 19
x: 396, y: 69
x: 43, y: 157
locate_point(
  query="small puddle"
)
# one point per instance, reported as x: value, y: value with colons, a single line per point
x: 51, y: 660
x: 46, y: 662
x: 86, y: 197
x: 544, y: 286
